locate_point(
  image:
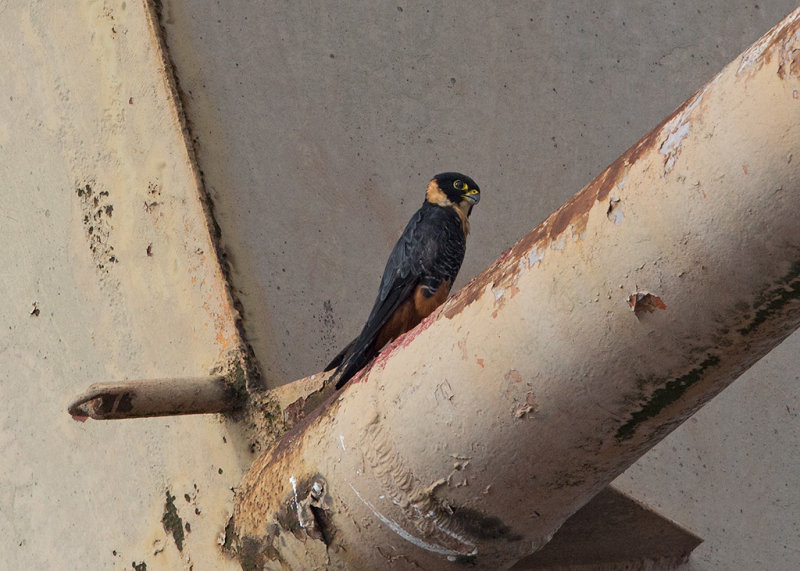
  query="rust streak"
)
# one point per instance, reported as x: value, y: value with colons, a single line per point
x: 574, y: 212
x: 781, y: 41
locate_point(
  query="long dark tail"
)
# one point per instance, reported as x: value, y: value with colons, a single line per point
x: 353, y: 365
x: 351, y: 360
x: 337, y: 360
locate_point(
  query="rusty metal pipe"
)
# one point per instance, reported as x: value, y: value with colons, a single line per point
x: 475, y: 436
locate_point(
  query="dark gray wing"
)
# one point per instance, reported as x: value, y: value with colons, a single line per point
x: 429, y: 250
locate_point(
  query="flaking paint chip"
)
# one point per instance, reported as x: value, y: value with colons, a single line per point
x: 644, y: 302
x: 614, y: 212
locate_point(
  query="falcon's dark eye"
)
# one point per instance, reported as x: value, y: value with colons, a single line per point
x: 459, y: 185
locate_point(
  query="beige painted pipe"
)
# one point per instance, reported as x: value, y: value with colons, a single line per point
x: 476, y: 435
x: 157, y: 397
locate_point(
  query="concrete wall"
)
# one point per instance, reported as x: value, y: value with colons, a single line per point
x: 319, y: 124
x: 730, y: 473
x: 316, y: 126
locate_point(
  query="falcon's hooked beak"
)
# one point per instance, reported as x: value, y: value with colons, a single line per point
x: 473, y: 196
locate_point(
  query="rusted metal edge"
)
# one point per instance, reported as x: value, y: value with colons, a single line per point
x: 154, y: 15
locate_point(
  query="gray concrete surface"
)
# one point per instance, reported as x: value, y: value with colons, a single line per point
x: 730, y: 473
x: 318, y: 124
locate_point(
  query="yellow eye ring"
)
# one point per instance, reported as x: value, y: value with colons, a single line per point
x: 459, y: 185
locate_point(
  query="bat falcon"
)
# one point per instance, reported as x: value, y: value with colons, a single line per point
x: 419, y: 273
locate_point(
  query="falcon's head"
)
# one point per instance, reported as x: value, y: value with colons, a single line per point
x: 453, y: 189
